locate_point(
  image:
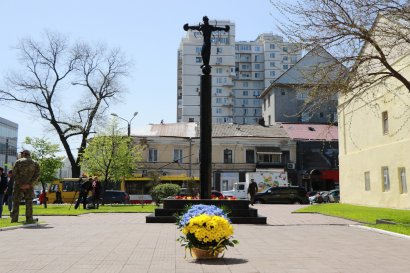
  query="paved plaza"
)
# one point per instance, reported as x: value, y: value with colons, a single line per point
x: 289, y: 243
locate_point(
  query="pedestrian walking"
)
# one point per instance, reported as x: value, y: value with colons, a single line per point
x: 26, y: 172
x: 96, y: 190
x: 9, y: 191
x: 3, y: 187
x: 85, y: 186
x: 252, y: 190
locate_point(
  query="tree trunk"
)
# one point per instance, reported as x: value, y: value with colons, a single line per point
x: 76, y: 170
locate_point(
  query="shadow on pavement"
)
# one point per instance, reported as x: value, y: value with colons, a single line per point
x: 226, y: 261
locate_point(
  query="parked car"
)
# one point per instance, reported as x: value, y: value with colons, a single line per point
x: 112, y: 197
x: 334, y: 196
x: 324, y: 194
x: 217, y: 194
x: 282, y: 195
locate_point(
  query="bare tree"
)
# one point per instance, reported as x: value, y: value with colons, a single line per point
x: 54, y: 70
x: 366, y: 36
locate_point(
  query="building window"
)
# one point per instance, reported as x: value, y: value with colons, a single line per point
x: 272, y: 55
x: 153, y: 155
x: 218, y: 60
x: 385, y: 179
x: 250, y: 156
x: 302, y: 95
x: 257, y: 48
x: 285, y: 49
x: 321, y: 114
x: 268, y: 100
x: 367, y: 181
x: 198, y: 50
x: 191, y: 119
x: 178, y: 155
x: 219, y: 110
x: 245, y: 67
x: 219, y: 90
x: 219, y: 70
x: 218, y: 50
x: 305, y: 116
x: 385, y: 119
x: 257, y: 66
x: 269, y: 157
x: 272, y: 46
x: 272, y: 64
x: 272, y: 73
x: 227, y: 156
x: 245, y: 84
x: 285, y: 67
x: 257, y: 75
x: 285, y: 58
x: 218, y: 100
x: 245, y: 93
x: 245, y: 102
x: 264, y: 104
x: 198, y: 59
x: 269, y: 120
x: 402, y: 180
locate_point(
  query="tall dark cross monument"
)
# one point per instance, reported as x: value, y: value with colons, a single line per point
x: 206, y: 106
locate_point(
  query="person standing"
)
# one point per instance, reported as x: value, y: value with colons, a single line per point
x: 96, y: 189
x: 85, y: 186
x: 252, y: 190
x: 26, y: 172
x: 3, y: 187
x: 9, y: 191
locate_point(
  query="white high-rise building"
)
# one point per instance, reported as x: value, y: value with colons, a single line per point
x: 240, y: 73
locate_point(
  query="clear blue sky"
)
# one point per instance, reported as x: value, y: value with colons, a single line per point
x: 149, y: 32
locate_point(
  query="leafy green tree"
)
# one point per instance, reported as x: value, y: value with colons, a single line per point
x: 111, y: 155
x: 44, y: 152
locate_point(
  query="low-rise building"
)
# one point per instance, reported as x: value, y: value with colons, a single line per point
x: 173, y: 150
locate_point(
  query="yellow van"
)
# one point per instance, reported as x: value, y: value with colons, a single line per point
x: 67, y: 187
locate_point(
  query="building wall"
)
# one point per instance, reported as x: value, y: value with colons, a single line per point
x: 286, y: 99
x: 241, y: 70
x: 8, y: 143
x: 190, y: 149
x: 364, y: 147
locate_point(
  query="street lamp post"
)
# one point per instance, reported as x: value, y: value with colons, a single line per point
x: 128, y: 122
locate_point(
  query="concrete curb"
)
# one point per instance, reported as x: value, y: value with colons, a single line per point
x: 22, y: 226
x: 382, y: 231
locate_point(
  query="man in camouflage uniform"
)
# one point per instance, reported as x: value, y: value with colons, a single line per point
x: 26, y: 172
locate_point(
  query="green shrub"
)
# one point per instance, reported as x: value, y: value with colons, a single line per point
x: 162, y: 191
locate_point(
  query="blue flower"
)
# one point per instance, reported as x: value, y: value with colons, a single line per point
x: 201, y: 209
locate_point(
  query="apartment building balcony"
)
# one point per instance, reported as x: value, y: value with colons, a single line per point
x: 270, y: 165
x: 227, y: 104
x: 228, y: 83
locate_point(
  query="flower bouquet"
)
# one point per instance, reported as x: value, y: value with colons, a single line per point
x: 207, y: 231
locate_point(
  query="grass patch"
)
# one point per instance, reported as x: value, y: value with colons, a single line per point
x: 5, y: 222
x: 367, y: 215
x: 66, y: 210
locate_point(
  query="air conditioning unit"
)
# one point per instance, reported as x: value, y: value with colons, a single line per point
x: 290, y: 166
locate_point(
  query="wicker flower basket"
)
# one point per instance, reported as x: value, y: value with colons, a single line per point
x: 201, y: 254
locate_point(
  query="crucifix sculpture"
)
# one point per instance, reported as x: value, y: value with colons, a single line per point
x: 206, y: 29
x: 205, y: 145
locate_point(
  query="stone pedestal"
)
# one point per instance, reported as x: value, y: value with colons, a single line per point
x: 240, y: 213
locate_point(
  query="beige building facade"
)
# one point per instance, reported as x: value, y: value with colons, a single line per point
x: 374, y: 144
x: 173, y: 150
